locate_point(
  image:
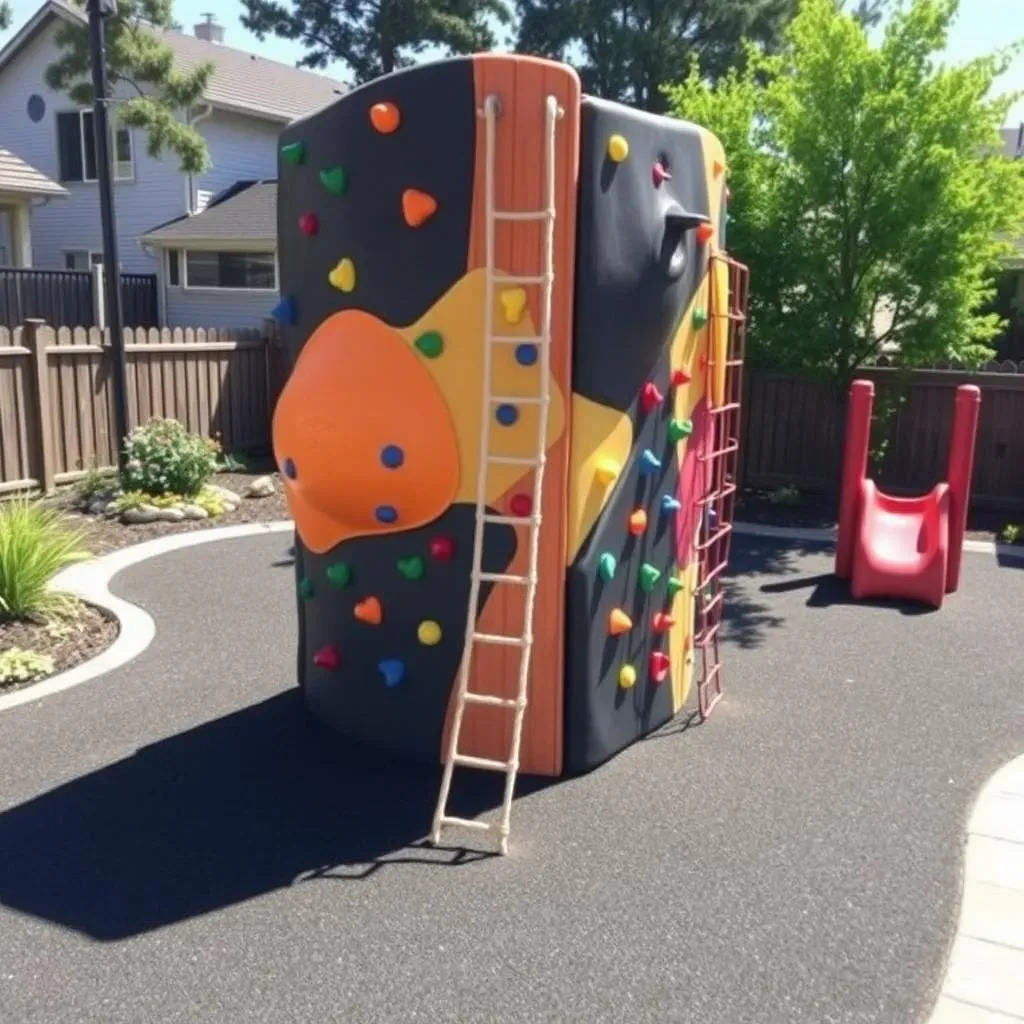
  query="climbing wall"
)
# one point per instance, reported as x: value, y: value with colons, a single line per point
x: 378, y: 429
x: 644, y: 382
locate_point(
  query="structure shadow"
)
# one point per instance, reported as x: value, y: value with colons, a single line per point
x: 829, y: 591
x: 1014, y: 560
x: 255, y: 801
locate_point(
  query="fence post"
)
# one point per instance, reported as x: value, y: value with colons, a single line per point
x: 99, y: 305
x: 41, y: 381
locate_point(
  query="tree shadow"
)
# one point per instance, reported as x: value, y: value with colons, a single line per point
x: 255, y: 801
x: 1010, y: 559
x: 286, y: 561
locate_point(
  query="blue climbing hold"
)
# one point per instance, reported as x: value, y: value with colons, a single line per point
x: 284, y: 311
x: 392, y: 670
x: 526, y: 355
x: 386, y: 514
x: 670, y: 504
x: 649, y: 462
x: 507, y: 415
x: 392, y: 456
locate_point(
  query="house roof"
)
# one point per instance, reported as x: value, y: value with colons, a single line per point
x: 245, y: 213
x: 1013, y: 141
x: 22, y: 178
x: 241, y: 81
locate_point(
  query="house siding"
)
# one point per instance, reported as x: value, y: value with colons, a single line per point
x: 240, y: 148
x: 156, y: 194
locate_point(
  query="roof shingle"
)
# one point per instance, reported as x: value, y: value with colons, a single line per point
x: 22, y: 178
x: 245, y: 212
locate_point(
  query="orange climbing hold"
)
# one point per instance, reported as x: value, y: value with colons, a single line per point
x: 705, y: 232
x: 417, y: 207
x: 659, y: 666
x: 662, y: 623
x: 637, y: 522
x: 385, y: 117
x: 619, y: 622
x: 370, y: 611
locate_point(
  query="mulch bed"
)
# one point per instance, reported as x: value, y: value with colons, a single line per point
x: 109, y: 534
x: 68, y: 643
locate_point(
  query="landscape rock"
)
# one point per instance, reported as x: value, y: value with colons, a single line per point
x: 98, y: 506
x: 172, y: 515
x: 261, y: 487
x: 194, y: 512
x: 111, y: 508
x: 228, y: 499
x: 142, y: 514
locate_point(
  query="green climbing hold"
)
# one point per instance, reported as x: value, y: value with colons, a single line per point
x: 412, y: 568
x: 335, y: 179
x: 679, y: 429
x: 339, y: 574
x: 675, y: 584
x: 430, y: 344
x: 648, y: 577
x: 606, y: 567
x: 306, y: 589
x: 293, y: 153
x: 700, y: 317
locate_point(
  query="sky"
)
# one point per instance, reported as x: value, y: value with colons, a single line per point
x: 982, y: 26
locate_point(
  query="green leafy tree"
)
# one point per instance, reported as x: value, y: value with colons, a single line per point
x: 625, y: 51
x: 869, y: 194
x: 5, y: 15
x: 375, y: 37
x: 140, y: 66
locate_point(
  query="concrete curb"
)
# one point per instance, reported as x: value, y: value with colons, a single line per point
x: 982, y: 984
x: 89, y: 581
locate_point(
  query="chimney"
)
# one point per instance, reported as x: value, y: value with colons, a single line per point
x: 209, y: 29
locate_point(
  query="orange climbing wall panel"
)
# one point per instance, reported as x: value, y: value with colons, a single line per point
x: 523, y: 85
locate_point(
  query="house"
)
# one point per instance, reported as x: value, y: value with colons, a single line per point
x: 219, y: 266
x: 21, y: 186
x: 248, y: 101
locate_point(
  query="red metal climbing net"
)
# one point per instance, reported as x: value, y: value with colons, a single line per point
x: 719, y: 466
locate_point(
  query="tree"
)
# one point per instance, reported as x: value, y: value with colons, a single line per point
x: 375, y: 37
x: 137, y: 61
x: 5, y: 15
x: 625, y: 51
x: 870, y: 197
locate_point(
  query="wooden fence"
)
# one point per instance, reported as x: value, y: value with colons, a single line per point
x: 791, y: 426
x: 56, y: 394
x: 70, y: 297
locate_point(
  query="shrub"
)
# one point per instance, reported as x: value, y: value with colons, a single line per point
x: 18, y: 666
x: 35, y: 544
x: 1013, y: 533
x: 164, y: 458
x: 96, y: 482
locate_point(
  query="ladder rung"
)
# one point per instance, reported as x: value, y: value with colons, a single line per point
x: 500, y: 577
x: 518, y: 339
x: 480, y: 826
x: 524, y: 214
x: 523, y: 278
x: 511, y: 520
x: 514, y: 460
x: 493, y: 702
x: 521, y: 399
x: 485, y: 763
x: 503, y: 641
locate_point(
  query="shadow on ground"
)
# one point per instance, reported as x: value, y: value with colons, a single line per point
x: 255, y: 801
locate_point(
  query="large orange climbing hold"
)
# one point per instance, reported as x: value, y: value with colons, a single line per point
x: 619, y: 622
x: 369, y: 611
x: 334, y: 428
x: 417, y: 207
x: 385, y: 117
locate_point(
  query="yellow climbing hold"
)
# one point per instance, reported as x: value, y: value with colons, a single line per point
x: 618, y: 148
x: 429, y: 632
x: 606, y: 470
x: 513, y: 304
x: 627, y: 677
x: 343, y: 276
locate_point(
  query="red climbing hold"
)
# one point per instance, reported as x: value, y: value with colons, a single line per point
x: 662, y: 623
x: 308, y: 224
x: 521, y: 505
x: 442, y: 548
x: 680, y: 377
x: 704, y: 233
x: 650, y: 397
x: 659, y: 174
x: 327, y: 657
x: 659, y: 666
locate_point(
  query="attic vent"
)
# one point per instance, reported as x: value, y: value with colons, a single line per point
x: 209, y: 29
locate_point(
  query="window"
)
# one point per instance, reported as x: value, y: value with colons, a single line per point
x: 81, y: 259
x: 245, y: 271
x: 76, y: 147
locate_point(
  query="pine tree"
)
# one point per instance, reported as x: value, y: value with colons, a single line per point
x: 5, y: 15
x: 375, y: 37
x: 140, y: 66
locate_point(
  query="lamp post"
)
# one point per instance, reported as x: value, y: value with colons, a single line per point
x: 98, y: 10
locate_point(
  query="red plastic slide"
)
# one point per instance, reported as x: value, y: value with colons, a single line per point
x: 907, y: 548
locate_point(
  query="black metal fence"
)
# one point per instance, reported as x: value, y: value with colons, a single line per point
x: 66, y: 297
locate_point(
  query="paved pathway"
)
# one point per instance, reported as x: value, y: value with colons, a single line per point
x: 179, y: 843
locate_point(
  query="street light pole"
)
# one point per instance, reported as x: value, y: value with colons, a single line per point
x: 98, y: 10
